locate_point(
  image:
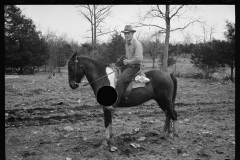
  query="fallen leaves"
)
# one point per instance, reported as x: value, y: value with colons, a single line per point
x: 205, y: 131
x: 136, y: 130
x: 141, y: 139
x: 186, y: 120
x: 68, y: 128
x: 135, y: 145
x: 113, y: 148
x: 185, y: 155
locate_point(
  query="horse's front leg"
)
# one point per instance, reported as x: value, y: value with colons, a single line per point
x: 108, y: 125
x: 108, y: 130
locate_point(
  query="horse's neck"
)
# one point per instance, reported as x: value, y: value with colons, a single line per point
x: 92, y: 73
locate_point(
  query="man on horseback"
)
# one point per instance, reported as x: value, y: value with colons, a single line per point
x: 134, y: 54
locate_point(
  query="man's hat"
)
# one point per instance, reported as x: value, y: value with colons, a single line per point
x: 128, y: 28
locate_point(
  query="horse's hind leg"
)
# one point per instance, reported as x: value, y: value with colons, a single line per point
x: 167, y: 106
x: 174, y: 128
x: 167, y: 122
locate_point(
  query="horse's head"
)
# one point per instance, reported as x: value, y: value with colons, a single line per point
x: 75, y: 71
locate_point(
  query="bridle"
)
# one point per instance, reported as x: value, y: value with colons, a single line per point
x: 75, y: 69
x: 75, y: 80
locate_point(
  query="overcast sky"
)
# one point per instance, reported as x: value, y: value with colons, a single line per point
x: 67, y: 19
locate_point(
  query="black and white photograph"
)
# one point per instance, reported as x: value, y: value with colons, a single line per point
x: 119, y: 82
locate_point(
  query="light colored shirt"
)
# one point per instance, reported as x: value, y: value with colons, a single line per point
x: 134, y: 51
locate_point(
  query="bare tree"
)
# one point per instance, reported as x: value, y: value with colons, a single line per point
x: 61, y: 41
x: 207, y: 31
x: 95, y: 15
x: 155, y: 49
x: 50, y: 36
x: 74, y: 44
x: 155, y: 12
x: 187, y: 38
x: 212, y: 30
x: 138, y: 34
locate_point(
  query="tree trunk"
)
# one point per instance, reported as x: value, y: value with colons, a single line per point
x: 165, y: 56
x: 95, y: 29
x: 59, y: 69
x: 21, y: 70
x: 59, y: 62
x: 51, y: 68
x: 92, y: 34
x: 153, y: 62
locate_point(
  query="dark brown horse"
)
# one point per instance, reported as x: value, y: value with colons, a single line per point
x: 162, y: 88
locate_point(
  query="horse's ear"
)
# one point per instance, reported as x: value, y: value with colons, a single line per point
x: 74, y: 56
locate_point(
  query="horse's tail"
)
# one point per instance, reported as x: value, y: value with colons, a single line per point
x: 174, y: 79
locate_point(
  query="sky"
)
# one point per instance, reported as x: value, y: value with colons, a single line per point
x: 66, y: 19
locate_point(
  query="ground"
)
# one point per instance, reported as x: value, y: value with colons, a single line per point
x: 46, y: 120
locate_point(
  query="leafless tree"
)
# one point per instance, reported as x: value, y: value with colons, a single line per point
x: 155, y: 12
x: 187, y: 38
x: 61, y: 41
x: 137, y: 35
x: 207, y: 31
x: 95, y: 15
x: 207, y: 35
x: 212, y: 30
x: 74, y: 44
x: 50, y: 36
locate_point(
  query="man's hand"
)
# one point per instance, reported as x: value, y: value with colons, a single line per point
x: 125, y: 61
x: 113, y: 65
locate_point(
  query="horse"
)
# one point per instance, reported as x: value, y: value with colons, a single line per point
x: 162, y: 88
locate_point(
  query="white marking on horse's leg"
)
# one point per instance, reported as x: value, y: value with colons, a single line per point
x: 108, y: 132
x: 111, y: 77
x: 174, y: 129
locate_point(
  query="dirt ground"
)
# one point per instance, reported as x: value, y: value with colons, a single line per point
x: 46, y: 120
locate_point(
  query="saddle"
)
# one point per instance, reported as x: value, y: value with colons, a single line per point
x: 139, y: 80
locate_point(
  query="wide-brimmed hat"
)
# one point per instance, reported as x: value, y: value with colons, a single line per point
x: 128, y: 28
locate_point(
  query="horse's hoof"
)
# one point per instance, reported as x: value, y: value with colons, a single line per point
x: 105, y: 145
x: 166, y: 134
x: 171, y: 135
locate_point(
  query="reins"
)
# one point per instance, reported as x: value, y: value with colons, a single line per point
x: 76, y: 61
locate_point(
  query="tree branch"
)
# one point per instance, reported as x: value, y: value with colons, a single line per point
x: 176, y: 11
x: 181, y: 28
x: 139, y: 24
x: 160, y: 11
x: 105, y: 9
x: 100, y: 34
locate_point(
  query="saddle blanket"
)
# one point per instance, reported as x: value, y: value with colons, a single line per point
x: 139, y: 81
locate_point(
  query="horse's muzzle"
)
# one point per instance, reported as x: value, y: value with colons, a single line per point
x: 74, y: 85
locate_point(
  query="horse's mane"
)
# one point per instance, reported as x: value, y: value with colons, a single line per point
x: 95, y: 61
